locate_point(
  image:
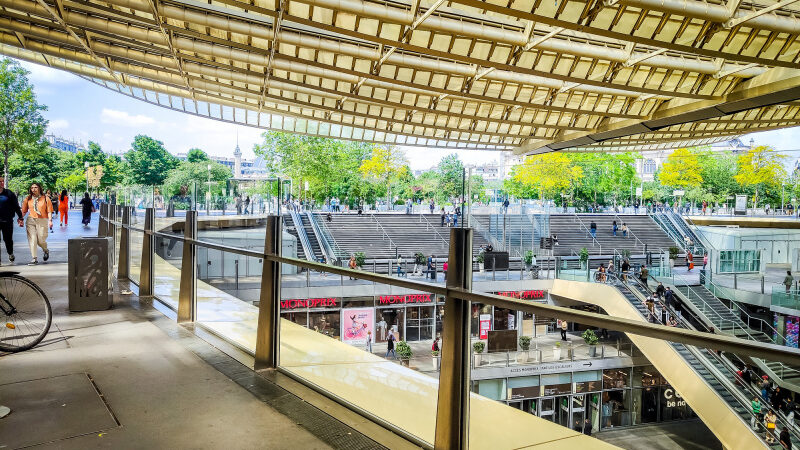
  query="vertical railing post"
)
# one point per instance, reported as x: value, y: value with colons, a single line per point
x: 268, y: 333
x: 452, y: 411
x: 187, y: 295
x: 102, y: 223
x: 146, y: 269
x: 123, y: 264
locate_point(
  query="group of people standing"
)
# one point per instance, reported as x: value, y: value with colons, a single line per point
x: 38, y: 206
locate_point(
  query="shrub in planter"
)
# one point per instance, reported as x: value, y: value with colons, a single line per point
x: 478, y: 346
x: 673, y: 252
x: 360, y: 259
x: 583, y: 256
x: 480, y: 258
x: 591, y: 339
x: 525, y: 342
x: 434, y: 353
x: 529, y: 258
x: 419, y: 258
x: 403, y: 351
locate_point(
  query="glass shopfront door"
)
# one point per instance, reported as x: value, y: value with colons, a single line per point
x: 389, y: 320
x: 420, y: 321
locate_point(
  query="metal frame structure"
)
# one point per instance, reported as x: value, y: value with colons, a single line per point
x: 530, y: 75
x: 453, y: 398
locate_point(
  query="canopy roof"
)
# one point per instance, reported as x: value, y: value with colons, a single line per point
x: 522, y: 75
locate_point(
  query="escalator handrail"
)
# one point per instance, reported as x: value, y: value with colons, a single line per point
x: 301, y: 234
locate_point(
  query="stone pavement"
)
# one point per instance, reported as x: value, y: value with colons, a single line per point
x: 130, y: 377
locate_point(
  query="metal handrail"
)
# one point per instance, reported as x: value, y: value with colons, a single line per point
x: 385, y: 235
x: 630, y: 232
x: 478, y: 226
x: 338, y: 252
x: 679, y: 223
x: 739, y: 310
x: 428, y: 224
x: 658, y: 218
x: 301, y: 234
x: 580, y: 222
x: 722, y: 342
x: 324, y: 244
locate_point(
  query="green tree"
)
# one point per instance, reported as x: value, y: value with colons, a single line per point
x: 549, y: 174
x: 188, y: 172
x: 612, y: 174
x: 148, y: 161
x: 41, y: 166
x: 384, y: 167
x: 681, y: 169
x: 761, y: 168
x: 718, y: 171
x: 197, y: 155
x: 450, y: 177
x: 22, y: 125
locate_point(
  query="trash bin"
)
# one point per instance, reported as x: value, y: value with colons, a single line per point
x: 90, y: 263
x: 702, y: 276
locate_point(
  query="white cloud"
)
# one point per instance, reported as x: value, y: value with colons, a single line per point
x: 58, y: 124
x: 122, y: 118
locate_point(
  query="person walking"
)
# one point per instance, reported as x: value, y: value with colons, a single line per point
x: 644, y: 274
x: 765, y: 387
x: 9, y: 207
x: 432, y: 206
x: 369, y: 341
x: 614, y: 228
x: 352, y: 263
x: 593, y: 229
x: 444, y: 269
x: 247, y: 205
x: 660, y: 291
x: 400, y: 271
x: 87, y: 208
x: 788, y: 280
x: 563, y: 330
x: 443, y: 216
x: 40, y: 217
x: 390, y: 346
x: 435, y: 345
x: 624, y: 268
x: 624, y: 230
x: 689, y: 261
x: 63, y: 208
x: 757, y: 418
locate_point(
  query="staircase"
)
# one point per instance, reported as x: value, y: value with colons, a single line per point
x: 291, y: 228
x: 572, y: 231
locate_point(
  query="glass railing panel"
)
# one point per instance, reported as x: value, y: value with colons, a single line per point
x: 167, y: 267
x: 228, y: 291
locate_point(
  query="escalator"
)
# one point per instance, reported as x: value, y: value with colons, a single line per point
x: 291, y: 228
x: 316, y: 248
x: 702, y: 383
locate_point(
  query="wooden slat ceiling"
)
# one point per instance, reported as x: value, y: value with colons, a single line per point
x: 519, y: 75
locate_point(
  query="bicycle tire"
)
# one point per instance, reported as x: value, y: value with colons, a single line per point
x: 47, y: 310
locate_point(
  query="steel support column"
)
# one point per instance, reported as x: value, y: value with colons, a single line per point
x: 123, y: 264
x: 146, y: 269
x: 452, y: 410
x: 268, y: 333
x: 187, y: 296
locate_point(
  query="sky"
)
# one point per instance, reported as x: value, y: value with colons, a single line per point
x: 83, y: 111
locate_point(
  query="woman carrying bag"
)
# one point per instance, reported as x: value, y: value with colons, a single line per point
x: 87, y: 208
x: 40, y: 217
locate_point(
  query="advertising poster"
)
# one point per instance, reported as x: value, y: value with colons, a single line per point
x: 485, y: 325
x: 741, y: 205
x: 356, y: 323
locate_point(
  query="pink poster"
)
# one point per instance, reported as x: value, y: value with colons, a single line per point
x: 357, y: 324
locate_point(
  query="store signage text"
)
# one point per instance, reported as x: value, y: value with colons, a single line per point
x: 525, y: 295
x: 310, y: 303
x: 410, y: 298
x: 673, y: 398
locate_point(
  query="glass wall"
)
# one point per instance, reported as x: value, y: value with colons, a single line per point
x: 739, y: 261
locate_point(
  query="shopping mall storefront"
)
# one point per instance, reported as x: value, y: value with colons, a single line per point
x: 608, y: 398
x: 410, y: 317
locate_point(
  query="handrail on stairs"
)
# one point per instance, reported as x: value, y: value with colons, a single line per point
x: 577, y: 218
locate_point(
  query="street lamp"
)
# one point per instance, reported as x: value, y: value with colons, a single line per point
x: 87, y: 165
x: 208, y: 192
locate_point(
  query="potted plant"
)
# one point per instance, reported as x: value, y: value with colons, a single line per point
x: 557, y: 351
x: 528, y: 259
x: 361, y: 258
x: 525, y: 345
x: 591, y: 340
x: 404, y: 352
x: 584, y: 257
x: 478, y: 347
x: 435, y: 357
x: 673, y: 254
x: 480, y: 259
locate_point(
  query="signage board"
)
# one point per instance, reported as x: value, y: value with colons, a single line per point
x: 298, y: 303
x: 740, y: 207
x: 523, y: 392
x: 586, y: 386
x: 678, y: 192
x: 484, y: 325
x: 639, y: 191
x: 357, y: 324
x: 502, y: 340
x: 410, y: 298
x: 550, y: 390
x: 536, y: 294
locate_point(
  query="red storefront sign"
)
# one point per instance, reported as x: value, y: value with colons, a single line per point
x: 410, y: 298
x: 296, y: 303
x: 525, y: 295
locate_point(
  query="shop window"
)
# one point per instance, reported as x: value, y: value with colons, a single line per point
x: 478, y: 310
x: 493, y: 389
x: 325, y: 322
x: 616, y: 408
x: 505, y: 319
x: 647, y: 376
x: 298, y: 317
x: 673, y: 406
x: 616, y: 378
x: 645, y: 405
x: 523, y: 387
x: 588, y: 381
x: 389, y: 320
x: 739, y: 261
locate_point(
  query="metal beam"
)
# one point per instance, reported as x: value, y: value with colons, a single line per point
x: 776, y: 86
x: 740, y: 20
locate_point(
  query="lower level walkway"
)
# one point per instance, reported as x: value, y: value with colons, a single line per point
x: 130, y: 377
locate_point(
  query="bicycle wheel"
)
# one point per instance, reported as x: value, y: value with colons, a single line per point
x: 25, y: 313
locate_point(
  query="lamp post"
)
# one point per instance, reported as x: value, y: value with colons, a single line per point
x: 86, y: 165
x: 208, y: 192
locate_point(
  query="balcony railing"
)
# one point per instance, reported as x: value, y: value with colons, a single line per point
x: 443, y: 414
